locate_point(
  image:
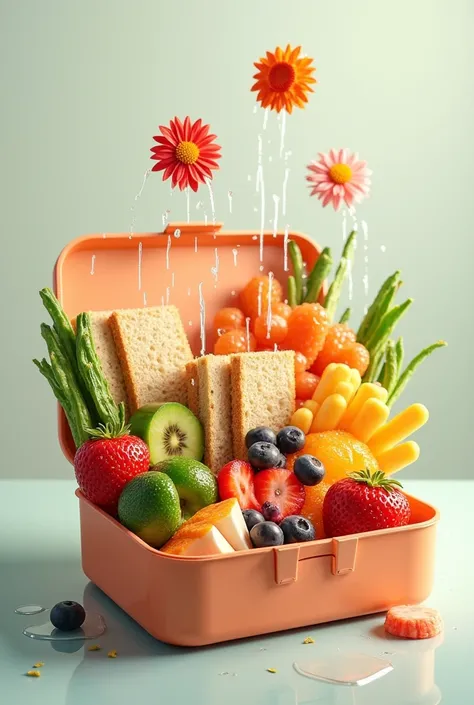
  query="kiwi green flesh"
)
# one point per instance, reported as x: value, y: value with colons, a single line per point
x: 173, y: 431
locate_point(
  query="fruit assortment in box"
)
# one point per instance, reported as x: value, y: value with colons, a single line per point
x: 226, y: 452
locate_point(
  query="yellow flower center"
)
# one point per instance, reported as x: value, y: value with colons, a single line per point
x: 340, y: 173
x: 281, y: 76
x: 187, y: 152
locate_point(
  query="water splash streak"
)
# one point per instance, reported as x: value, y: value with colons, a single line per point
x: 285, y: 185
x: 282, y: 132
x: 93, y: 265
x: 140, y: 251
x: 285, y: 248
x: 168, y: 248
x: 134, y: 205
x: 269, y: 304
x: 202, y: 319
x: 276, y: 201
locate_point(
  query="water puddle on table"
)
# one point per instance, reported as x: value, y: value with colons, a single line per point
x: 351, y: 669
x: 93, y: 626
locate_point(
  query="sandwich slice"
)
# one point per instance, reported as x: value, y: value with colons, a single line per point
x: 192, y: 383
x: 153, y: 351
x: 263, y: 393
x: 215, y: 409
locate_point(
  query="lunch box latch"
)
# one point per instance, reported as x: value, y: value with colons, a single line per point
x: 344, y: 555
x: 286, y: 564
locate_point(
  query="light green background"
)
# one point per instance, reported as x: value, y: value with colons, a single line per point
x: 84, y: 86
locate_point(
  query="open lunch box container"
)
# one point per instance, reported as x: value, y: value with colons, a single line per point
x: 187, y: 601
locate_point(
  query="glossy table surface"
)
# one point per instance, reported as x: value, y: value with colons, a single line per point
x: 40, y: 564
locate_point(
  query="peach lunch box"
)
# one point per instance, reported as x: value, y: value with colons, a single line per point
x: 187, y: 601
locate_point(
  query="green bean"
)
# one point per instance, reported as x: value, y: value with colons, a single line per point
x: 65, y: 377
x: 386, y: 325
x: 298, y: 268
x: 319, y: 273
x: 334, y: 293
x: 374, y: 365
x: 62, y: 324
x: 399, y: 351
x: 292, y: 292
x: 372, y: 313
x: 410, y: 369
x: 345, y: 316
x: 391, y: 369
x: 90, y: 370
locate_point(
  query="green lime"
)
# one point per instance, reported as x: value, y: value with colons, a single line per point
x: 149, y: 506
x: 195, y: 483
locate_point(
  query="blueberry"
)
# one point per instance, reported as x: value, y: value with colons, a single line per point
x: 281, y: 462
x: 261, y: 433
x: 296, y: 528
x: 309, y: 470
x: 263, y: 455
x: 67, y: 616
x: 271, y: 512
x: 266, y: 534
x: 252, y: 517
x: 290, y: 439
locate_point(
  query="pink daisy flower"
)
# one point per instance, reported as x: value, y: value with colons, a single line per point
x: 339, y: 176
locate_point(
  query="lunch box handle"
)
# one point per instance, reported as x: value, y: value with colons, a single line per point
x: 342, y: 550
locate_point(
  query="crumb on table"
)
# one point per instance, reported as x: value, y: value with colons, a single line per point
x: 94, y: 647
x: 112, y: 654
x: 308, y: 640
x: 271, y: 670
x: 40, y: 664
x: 33, y: 674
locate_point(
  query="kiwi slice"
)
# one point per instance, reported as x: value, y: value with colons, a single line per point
x: 170, y: 430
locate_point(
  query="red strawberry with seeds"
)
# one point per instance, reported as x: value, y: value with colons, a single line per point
x: 282, y: 488
x: 107, y: 462
x: 236, y: 479
x: 364, y: 502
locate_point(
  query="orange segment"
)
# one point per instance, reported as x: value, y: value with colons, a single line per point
x: 340, y: 454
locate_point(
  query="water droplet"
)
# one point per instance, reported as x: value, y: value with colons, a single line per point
x: 254, y: 109
x: 211, y: 199
x: 233, y: 293
x: 276, y: 201
x: 144, y: 299
x: 164, y: 217
x: 190, y: 323
x: 261, y: 268
x: 189, y: 292
x: 29, y: 609
x: 140, y: 251
x: 229, y: 196
x: 104, y: 235
x: 285, y: 248
x: 202, y: 318
x: 383, y: 248
x: 255, y: 209
x: 177, y: 233
x: 168, y: 248
x: 269, y: 304
x: 93, y: 627
x: 265, y: 118
x: 93, y: 264
x: 187, y: 203
x: 249, y: 177
x: 134, y: 206
x: 254, y: 237
x: 215, y: 269
x: 270, y: 158
x: 285, y: 185
x: 235, y: 252
x: 196, y: 243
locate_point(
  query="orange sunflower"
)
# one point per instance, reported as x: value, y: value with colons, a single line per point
x: 283, y: 79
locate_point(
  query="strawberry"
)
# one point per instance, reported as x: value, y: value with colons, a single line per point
x: 364, y: 502
x: 281, y: 488
x: 107, y: 462
x: 236, y: 479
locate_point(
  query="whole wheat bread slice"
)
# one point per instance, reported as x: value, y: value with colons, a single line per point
x: 192, y: 383
x: 153, y: 351
x: 215, y: 409
x: 263, y: 393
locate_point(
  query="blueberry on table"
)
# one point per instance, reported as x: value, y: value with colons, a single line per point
x: 290, y: 439
x: 67, y: 616
x: 260, y: 433
x: 266, y: 534
x: 263, y: 455
x: 252, y: 517
x: 297, y: 529
x: 309, y: 470
x: 271, y: 512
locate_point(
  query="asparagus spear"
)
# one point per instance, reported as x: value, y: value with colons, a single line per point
x: 298, y: 268
x: 376, y: 358
x: 91, y: 373
x: 410, y: 369
x: 319, y: 273
x: 372, y: 313
x: 385, y: 327
x: 75, y: 407
x: 62, y: 325
x: 391, y: 368
x: 46, y: 370
x: 345, y: 316
x: 292, y: 298
x: 400, y: 354
x: 334, y: 292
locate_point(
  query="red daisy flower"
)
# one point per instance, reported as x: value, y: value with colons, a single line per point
x: 186, y: 152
